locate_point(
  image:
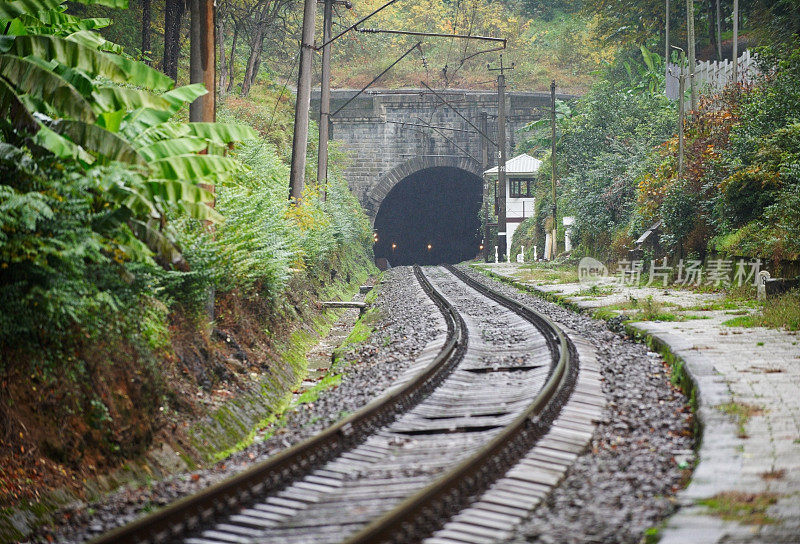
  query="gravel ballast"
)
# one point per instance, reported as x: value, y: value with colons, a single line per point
x: 640, y: 453
x: 617, y: 490
x: 402, y: 328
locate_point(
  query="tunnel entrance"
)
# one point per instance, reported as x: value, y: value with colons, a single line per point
x: 430, y: 217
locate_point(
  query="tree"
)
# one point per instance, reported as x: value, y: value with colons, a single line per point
x: 66, y: 92
x: 266, y: 14
x: 173, y: 16
x: 146, y: 29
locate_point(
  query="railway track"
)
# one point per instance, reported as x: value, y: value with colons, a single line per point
x: 437, y: 443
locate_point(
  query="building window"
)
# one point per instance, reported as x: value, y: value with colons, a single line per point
x: 521, y: 188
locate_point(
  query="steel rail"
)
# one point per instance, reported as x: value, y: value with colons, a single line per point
x: 424, y: 512
x: 175, y: 520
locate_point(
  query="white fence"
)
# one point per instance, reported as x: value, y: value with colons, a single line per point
x: 711, y: 76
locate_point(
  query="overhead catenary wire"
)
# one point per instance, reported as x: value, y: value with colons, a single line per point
x: 368, y: 85
x: 431, y: 34
x: 446, y: 103
x: 354, y: 25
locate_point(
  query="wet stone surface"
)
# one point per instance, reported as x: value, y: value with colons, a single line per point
x: 401, y: 331
x: 627, y: 482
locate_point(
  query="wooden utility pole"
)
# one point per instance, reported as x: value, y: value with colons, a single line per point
x: 483, y: 123
x: 501, y: 164
x: 203, y: 60
x: 681, y: 122
x: 666, y: 40
x: 300, y: 138
x: 202, y: 69
x: 736, y: 41
x: 692, y: 61
x: 554, y: 244
x: 325, y: 100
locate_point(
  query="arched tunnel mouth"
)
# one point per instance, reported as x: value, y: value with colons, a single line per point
x: 430, y: 217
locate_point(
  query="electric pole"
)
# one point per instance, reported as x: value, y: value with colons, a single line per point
x: 666, y: 42
x: 203, y: 60
x: 681, y: 121
x: 324, y: 100
x: 325, y: 94
x: 692, y: 61
x: 484, y: 125
x: 300, y: 138
x: 554, y: 244
x: 501, y: 161
x: 735, y: 41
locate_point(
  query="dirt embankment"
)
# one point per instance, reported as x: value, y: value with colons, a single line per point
x: 74, y: 430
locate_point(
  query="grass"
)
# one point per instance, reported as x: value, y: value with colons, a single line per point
x: 742, y: 413
x: 311, y: 395
x: 782, y: 312
x: 748, y: 508
x: 558, y: 273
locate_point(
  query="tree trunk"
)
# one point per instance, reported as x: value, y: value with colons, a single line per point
x: 256, y: 68
x: 719, y: 31
x: 202, y: 61
x: 146, y: 31
x: 173, y: 13
x: 712, y: 34
x: 232, y: 57
x: 223, y: 66
x: 256, y: 44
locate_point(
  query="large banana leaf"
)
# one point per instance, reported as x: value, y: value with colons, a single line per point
x: 158, y: 243
x: 172, y: 190
x: 138, y: 121
x: 123, y: 98
x: 188, y: 93
x: 95, y: 41
x: 170, y: 148
x: 37, y: 81
x: 202, y: 212
x: 192, y: 167
x: 12, y: 10
x: 163, y: 131
x: 13, y: 109
x: 60, y: 146
x: 111, y: 120
x: 222, y: 133
x: 119, y: 4
x: 76, y: 78
x: 97, y: 140
x: 142, y: 75
x: 62, y: 21
x: 78, y: 56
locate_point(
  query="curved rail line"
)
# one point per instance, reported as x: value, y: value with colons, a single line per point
x: 425, y: 511
x: 273, y: 474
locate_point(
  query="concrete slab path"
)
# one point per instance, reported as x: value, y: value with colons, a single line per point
x: 749, y: 407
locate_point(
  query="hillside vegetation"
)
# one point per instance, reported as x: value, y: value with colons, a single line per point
x: 150, y: 268
x: 618, y: 156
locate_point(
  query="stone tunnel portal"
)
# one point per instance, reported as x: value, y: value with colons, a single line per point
x: 430, y: 217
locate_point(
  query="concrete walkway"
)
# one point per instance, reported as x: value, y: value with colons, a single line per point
x: 746, y: 485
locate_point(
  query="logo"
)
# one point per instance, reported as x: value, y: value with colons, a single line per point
x: 591, y: 271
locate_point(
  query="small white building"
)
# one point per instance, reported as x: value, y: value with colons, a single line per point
x: 520, y: 201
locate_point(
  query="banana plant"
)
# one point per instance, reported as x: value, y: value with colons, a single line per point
x: 68, y: 92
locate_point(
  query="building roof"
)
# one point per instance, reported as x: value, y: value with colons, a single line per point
x: 521, y: 164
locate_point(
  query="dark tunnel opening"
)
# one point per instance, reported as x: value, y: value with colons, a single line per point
x: 430, y: 217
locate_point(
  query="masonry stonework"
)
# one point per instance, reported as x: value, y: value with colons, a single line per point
x: 378, y: 131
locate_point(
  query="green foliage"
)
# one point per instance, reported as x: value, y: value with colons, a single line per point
x: 265, y: 236
x: 604, y: 149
